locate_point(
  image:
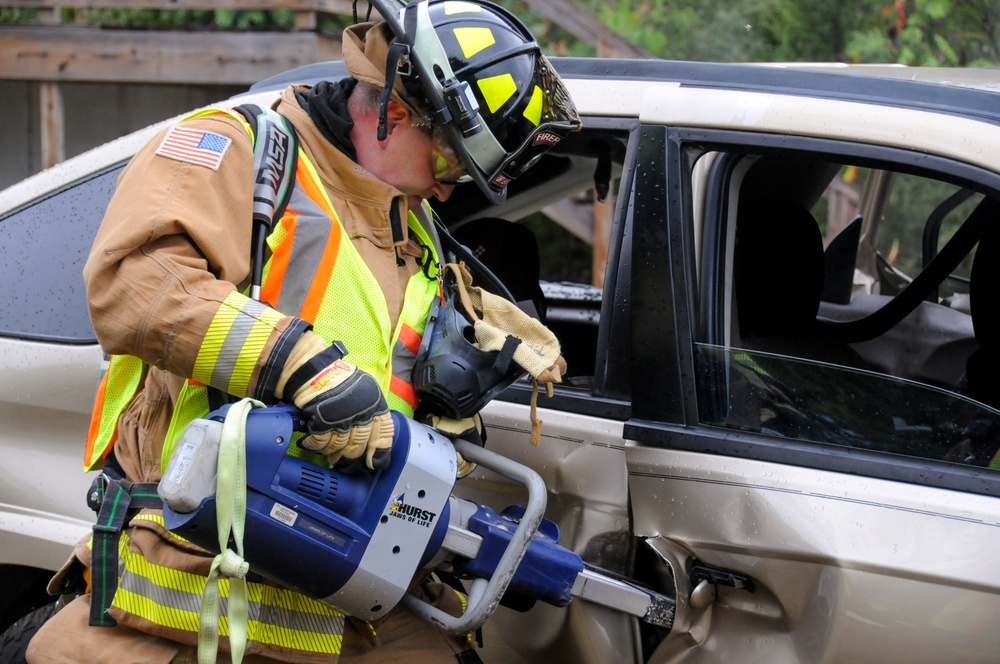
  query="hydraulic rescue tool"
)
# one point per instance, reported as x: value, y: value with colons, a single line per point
x: 356, y: 541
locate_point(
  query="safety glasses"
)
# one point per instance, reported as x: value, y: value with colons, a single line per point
x: 447, y: 167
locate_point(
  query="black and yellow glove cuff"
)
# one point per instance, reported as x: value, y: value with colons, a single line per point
x: 308, y: 369
x: 270, y: 372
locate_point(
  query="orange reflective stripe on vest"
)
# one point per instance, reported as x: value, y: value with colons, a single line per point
x: 306, y: 247
x: 404, y: 356
x: 315, y: 272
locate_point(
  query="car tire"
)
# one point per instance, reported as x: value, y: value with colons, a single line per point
x: 15, y: 639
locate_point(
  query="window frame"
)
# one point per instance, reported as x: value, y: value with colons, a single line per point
x: 669, y: 313
x: 611, y: 392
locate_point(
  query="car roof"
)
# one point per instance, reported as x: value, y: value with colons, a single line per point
x: 984, y: 78
x: 971, y: 93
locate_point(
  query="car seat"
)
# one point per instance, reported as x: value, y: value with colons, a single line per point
x: 510, y: 251
x: 778, y: 269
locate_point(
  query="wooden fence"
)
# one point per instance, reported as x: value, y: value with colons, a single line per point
x: 51, y: 51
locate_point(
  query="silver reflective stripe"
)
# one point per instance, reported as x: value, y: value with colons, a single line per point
x: 403, y: 360
x: 229, y: 354
x: 312, y: 232
x: 299, y: 621
x: 160, y: 594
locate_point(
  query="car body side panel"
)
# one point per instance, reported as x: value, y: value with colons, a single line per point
x: 582, y: 461
x: 846, y: 568
x: 47, y: 388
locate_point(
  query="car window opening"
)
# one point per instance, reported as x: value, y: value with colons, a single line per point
x: 854, y: 318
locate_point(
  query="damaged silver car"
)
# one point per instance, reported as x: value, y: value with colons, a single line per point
x: 781, y: 408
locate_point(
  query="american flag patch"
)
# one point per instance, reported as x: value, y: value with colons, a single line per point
x: 194, y: 146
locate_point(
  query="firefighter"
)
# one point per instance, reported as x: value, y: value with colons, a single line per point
x: 346, y: 290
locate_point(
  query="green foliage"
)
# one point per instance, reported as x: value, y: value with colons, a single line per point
x: 11, y: 16
x: 912, y: 202
x: 553, y: 39
x: 186, y: 19
x: 952, y: 33
x: 682, y: 29
x: 915, y: 32
x: 331, y: 24
x: 811, y: 31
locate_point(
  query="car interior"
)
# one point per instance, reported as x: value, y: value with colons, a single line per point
x: 589, y: 160
x: 811, y: 278
x: 863, y: 319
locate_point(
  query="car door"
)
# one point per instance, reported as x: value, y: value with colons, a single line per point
x: 581, y: 454
x: 809, y: 488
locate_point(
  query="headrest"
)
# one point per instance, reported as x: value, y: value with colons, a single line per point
x: 510, y: 251
x: 777, y: 268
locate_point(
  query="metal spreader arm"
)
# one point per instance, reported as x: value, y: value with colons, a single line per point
x: 485, y: 595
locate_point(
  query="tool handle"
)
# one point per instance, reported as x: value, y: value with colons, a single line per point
x: 484, y: 597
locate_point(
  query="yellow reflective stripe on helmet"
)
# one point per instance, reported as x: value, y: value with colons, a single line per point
x: 172, y: 599
x: 458, y: 7
x: 533, y: 111
x: 497, y: 90
x: 234, y: 343
x: 474, y: 40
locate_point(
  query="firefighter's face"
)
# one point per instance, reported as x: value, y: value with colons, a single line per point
x: 410, y: 159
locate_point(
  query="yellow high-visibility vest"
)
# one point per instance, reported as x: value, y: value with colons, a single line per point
x: 318, y: 287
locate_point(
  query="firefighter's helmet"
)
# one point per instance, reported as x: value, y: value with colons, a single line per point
x: 474, y: 73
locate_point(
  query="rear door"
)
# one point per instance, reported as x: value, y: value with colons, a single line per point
x: 825, y: 483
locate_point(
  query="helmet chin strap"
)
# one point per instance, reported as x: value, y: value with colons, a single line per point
x: 398, y: 53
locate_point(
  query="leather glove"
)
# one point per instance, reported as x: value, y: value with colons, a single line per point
x: 469, y: 428
x: 346, y: 414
